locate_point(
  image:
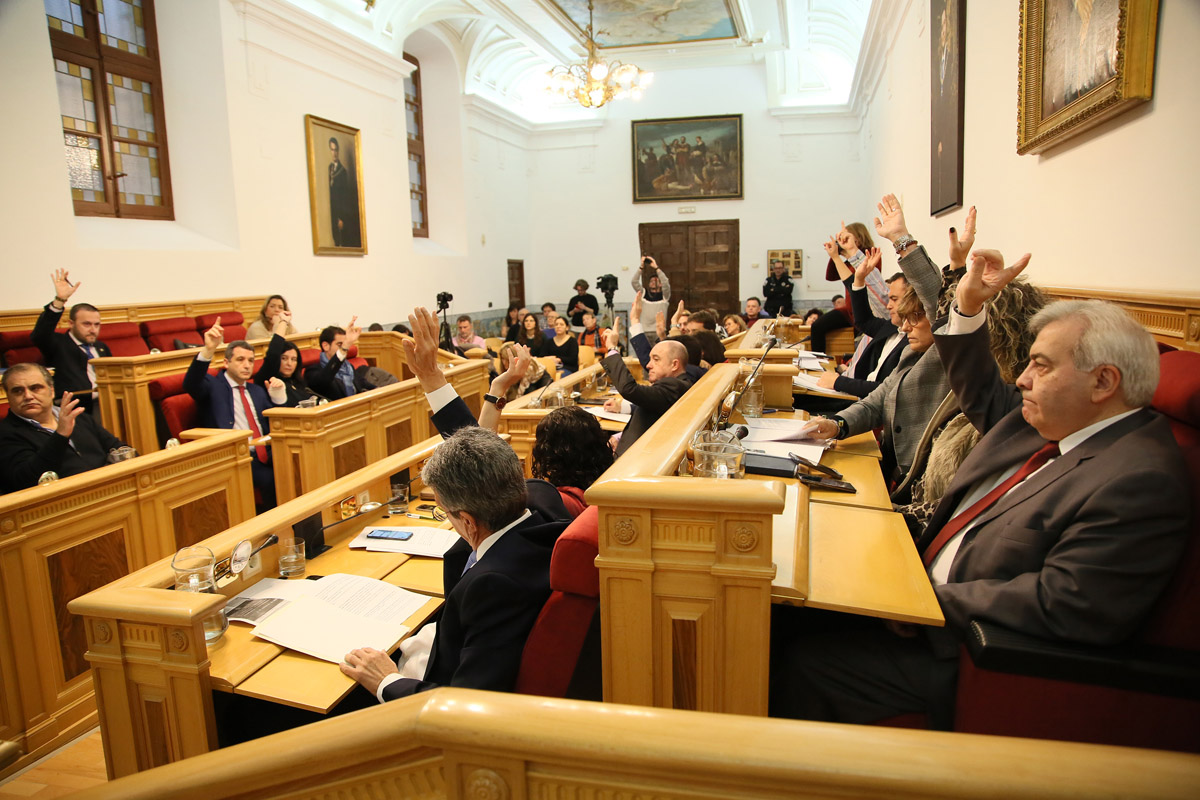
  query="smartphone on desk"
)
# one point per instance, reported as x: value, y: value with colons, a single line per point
x: 823, y: 482
x: 393, y: 534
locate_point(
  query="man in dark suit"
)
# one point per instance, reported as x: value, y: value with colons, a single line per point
x: 333, y: 377
x: 1064, y: 523
x: 231, y: 401
x: 69, y: 353
x: 497, y: 578
x: 667, y: 373
x: 36, y: 437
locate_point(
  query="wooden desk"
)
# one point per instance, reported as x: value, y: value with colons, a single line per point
x: 153, y: 672
x: 689, y: 566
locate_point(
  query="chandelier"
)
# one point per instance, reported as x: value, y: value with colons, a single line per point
x: 595, y: 82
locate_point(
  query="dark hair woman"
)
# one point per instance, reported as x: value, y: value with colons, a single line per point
x: 570, y: 451
x: 282, y: 360
x: 512, y: 322
x: 531, y: 335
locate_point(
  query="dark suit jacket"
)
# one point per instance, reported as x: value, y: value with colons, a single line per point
x: 214, y: 397
x: 489, y: 611
x: 26, y: 452
x: 67, y: 358
x: 880, y: 330
x: 322, y: 379
x: 650, y: 402
x: 1081, y: 549
x: 296, y: 387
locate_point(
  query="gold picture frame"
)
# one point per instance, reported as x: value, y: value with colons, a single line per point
x: 1075, y: 72
x: 793, y: 261
x: 335, y: 188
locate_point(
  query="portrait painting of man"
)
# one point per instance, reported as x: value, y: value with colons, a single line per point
x: 335, y: 188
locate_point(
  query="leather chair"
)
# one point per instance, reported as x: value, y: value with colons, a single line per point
x: 231, y: 324
x: 18, y: 348
x: 1144, y: 693
x: 124, y: 339
x: 162, y: 334
x: 562, y: 654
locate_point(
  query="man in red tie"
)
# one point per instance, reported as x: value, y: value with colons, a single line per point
x: 1064, y: 523
x: 230, y: 400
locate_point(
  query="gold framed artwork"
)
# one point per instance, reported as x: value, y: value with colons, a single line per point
x: 792, y: 260
x: 1081, y: 64
x: 335, y: 188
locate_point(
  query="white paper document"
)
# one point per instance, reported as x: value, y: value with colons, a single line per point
x: 809, y: 384
x: 265, y: 598
x: 609, y: 415
x: 341, y: 613
x: 763, y: 429
x: 425, y: 540
x: 809, y: 450
x: 810, y: 361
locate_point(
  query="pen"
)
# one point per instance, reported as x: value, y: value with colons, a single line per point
x: 419, y: 516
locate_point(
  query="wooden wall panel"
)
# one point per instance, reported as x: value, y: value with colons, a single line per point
x: 74, y: 572
x: 199, y: 519
x: 349, y: 457
x: 399, y: 436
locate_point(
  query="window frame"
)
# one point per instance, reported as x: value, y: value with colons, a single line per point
x: 416, y: 146
x: 102, y: 59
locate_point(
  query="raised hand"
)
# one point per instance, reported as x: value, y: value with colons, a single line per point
x: 961, y: 244
x: 986, y: 276
x: 890, y: 222
x: 518, y: 368
x: 68, y: 412
x: 677, y: 316
x: 635, y: 312
x: 660, y: 324
x: 282, y: 320
x: 421, y: 351
x: 864, y: 268
x: 353, y: 331
x: 831, y: 247
x: 63, y: 288
x: 612, y: 337
x: 214, y: 337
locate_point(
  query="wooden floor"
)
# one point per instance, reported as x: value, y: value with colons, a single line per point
x: 69, y: 769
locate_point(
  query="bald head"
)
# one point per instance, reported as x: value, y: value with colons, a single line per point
x: 667, y: 359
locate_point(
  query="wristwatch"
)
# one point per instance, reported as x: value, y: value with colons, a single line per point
x: 498, y: 402
x: 904, y: 242
x: 842, y: 428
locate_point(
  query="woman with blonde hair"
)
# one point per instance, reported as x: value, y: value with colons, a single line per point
x: 264, y: 326
x: 733, y: 324
x: 846, y: 249
x: 535, y: 377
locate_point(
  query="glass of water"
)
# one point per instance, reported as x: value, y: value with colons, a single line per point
x: 399, y: 498
x: 194, y: 573
x: 291, y: 558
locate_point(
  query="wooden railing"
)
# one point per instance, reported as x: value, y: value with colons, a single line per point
x: 458, y: 743
x: 67, y: 538
x: 311, y: 447
x: 153, y: 672
x: 24, y: 319
x: 1172, y: 319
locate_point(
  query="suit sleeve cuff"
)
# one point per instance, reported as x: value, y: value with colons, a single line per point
x: 201, y: 357
x: 441, y: 397
x: 635, y: 328
x: 962, y: 324
x: 387, y: 681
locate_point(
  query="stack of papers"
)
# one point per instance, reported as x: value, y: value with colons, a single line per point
x: 810, y: 385
x: 781, y: 437
x: 610, y: 415
x: 423, y: 540
x: 327, y: 618
x: 810, y: 361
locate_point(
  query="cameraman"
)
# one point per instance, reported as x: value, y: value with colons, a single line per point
x: 656, y: 296
x: 581, y: 303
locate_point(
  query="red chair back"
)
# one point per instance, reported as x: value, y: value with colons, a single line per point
x: 18, y: 348
x: 553, y: 649
x: 124, y: 339
x: 180, y: 413
x: 231, y: 324
x: 162, y: 333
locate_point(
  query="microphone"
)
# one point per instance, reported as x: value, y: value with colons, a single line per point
x: 740, y: 431
x: 733, y: 399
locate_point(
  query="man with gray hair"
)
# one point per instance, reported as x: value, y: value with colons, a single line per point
x: 496, y: 579
x: 667, y: 373
x: 1065, y: 523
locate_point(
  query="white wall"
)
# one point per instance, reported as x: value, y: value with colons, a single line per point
x: 1108, y: 209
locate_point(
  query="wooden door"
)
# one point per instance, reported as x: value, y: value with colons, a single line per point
x: 516, y: 281
x: 699, y: 258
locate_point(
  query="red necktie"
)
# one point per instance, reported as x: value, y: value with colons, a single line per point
x: 964, y: 518
x: 259, y: 451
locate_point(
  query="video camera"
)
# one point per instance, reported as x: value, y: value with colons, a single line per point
x: 608, y: 285
x: 445, y: 298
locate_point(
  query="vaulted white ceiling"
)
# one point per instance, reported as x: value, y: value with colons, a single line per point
x: 809, y: 48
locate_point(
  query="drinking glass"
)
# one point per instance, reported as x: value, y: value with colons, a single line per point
x: 291, y: 558
x: 399, y: 503
x: 720, y: 460
x: 194, y: 573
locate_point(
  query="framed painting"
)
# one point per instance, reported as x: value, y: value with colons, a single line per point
x: 947, y: 71
x: 687, y: 158
x: 1081, y: 64
x: 335, y: 188
x: 792, y: 260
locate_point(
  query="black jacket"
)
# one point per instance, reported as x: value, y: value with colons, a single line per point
x: 880, y: 330
x: 649, y: 402
x: 68, y: 359
x: 27, y: 451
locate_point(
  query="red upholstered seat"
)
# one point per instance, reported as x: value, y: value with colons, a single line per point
x: 3, y: 410
x: 124, y: 339
x: 166, y: 386
x: 231, y: 323
x: 18, y: 348
x: 309, y: 357
x: 162, y: 333
x: 180, y: 413
x: 1145, y: 693
x: 561, y: 657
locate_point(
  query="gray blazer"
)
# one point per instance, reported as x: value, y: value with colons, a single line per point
x: 904, y: 403
x: 1079, y: 551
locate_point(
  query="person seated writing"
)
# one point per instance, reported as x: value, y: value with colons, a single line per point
x: 333, y: 377
x: 70, y: 353
x: 668, y: 378
x: 496, y: 578
x: 1065, y: 523
x: 265, y: 325
x: 283, y: 361
x: 230, y: 401
x: 36, y: 437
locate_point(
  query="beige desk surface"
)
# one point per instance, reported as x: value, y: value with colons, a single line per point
x: 863, y: 473
x: 862, y: 444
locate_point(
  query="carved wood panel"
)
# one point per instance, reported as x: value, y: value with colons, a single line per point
x: 399, y: 436
x: 76, y: 571
x: 349, y: 456
x: 199, y: 519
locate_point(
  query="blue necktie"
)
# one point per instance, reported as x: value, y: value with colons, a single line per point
x: 87, y: 351
x: 471, y: 559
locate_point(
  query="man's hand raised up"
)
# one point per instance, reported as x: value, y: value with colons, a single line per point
x: 214, y: 337
x: 421, y: 351
x: 985, y: 277
x: 63, y: 288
